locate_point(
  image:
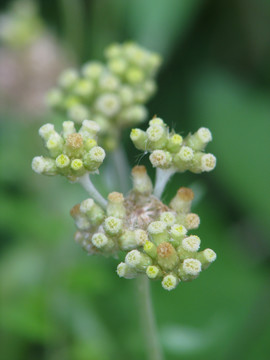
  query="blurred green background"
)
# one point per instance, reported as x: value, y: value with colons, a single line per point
x: 58, y: 303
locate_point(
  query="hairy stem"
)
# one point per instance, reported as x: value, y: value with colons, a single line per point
x: 122, y: 168
x: 162, y: 177
x: 148, y: 320
x: 92, y: 191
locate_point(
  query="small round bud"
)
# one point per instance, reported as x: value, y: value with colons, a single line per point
x: 84, y: 88
x: 68, y: 78
x: 113, y: 225
x: 158, y: 232
x: 125, y: 271
x: 42, y: 165
x: 108, y: 82
x: 46, y: 131
x: 192, y: 267
x: 117, y: 66
x: 192, y: 221
x: 140, y: 237
x: 204, y: 135
x: 182, y: 200
x: 115, y: 205
x: 62, y: 161
x: 161, y: 159
x: 76, y: 165
x: 169, y: 282
x: 174, y: 143
x: 209, y: 255
x: 156, y: 121
x: 134, y: 75
x: 153, y: 272
x: 86, y: 205
x: 178, y: 231
x: 168, y: 217
x: 99, y: 240
x: 208, y: 162
x: 138, y: 260
x: 191, y: 243
x: 139, y: 138
x: 92, y: 70
x: 155, y: 133
x: 108, y: 104
x: 68, y: 128
x: 141, y: 181
x: 186, y: 153
x: 166, y: 256
x: 78, y: 113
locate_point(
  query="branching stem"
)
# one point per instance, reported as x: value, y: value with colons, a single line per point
x: 162, y: 177
x: 92, y: 191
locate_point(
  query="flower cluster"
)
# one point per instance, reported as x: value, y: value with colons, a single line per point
x: 153, y: 235
x: 71, y: 153
x: 111, y: 94
x: 171, y: 151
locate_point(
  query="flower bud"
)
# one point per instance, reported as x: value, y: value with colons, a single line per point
x: 161, y: 159
x: 191, y: 243
x: 94, y: 158
x: 89, y: 129
x: 202, y: 162
x: 74, y: 145
x: 68, y: 128
x: 68, y: 78
x: 182, y: 200
x: 113, y: 226
x: 158, y: 232
x: 78, y: 113
x: 156, y: 136
x: 108, y: 104
x: 125, y: 271
x: 150, y: 249
x: 166, y: 256
x: 62, y: 162
x: 55, y: 145
x: 170, y: 282
x: 92, y: 70
x: 43, y: 165
x: 77, y: 167
x: 94, y: 212
x: 168, y: 217
x: 141, y: 181
x: 183, y: 158
x: 84, y: 88
x: 156, y: 121
x: 81, y: 220
x: 174, y: 143
x: 153, y: 272
x: 137, y: 260
x: 134, y: 75
x: 102, y: 242
x: 177, y: 233
x: 139, y: 139
x: 115, y: 205
x: 200, y: 139
x: 192, y: 267
x: 206, y: 257
x: 46, y: 131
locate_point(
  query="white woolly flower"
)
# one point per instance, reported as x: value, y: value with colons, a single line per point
x: 192, y: 266
x: 191, y: 243
x: 99, y: 240
x: 133, y: 258
x: 169, y: 282
x: 186, y: 153
x: 155, y: 132
x: 168, y: 217
x: 178, y: 230
x: 108, y: 104
x: 92, y: 70
x: 157, y: 227
x: 46, y: 131
x: 108, y: 82
x: 208, y: 162
x: 39, y: 164
x: 86, y: 205
x: 97, y: 154
x: 210, y: 255
x: 78, y: 113
x: 204, y: 135
x: 152, y: 271
x: 160, y: 158
x: 62, y: 161
x: 112, y: 225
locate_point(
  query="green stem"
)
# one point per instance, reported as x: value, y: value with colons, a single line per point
x: 148, y: 323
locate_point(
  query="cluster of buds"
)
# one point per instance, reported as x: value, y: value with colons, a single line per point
x: 152, y: 234
x: 71, y: 153
x: 111, y: 94
x: 171, y: 151
x: 21, y: 25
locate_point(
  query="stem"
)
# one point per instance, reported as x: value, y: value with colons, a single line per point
x: 162, y: 177
x: 148, y: 319
x: 122, y: 168
x: 92, y: 191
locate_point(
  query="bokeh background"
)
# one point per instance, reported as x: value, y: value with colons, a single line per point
x: 58, y: 303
